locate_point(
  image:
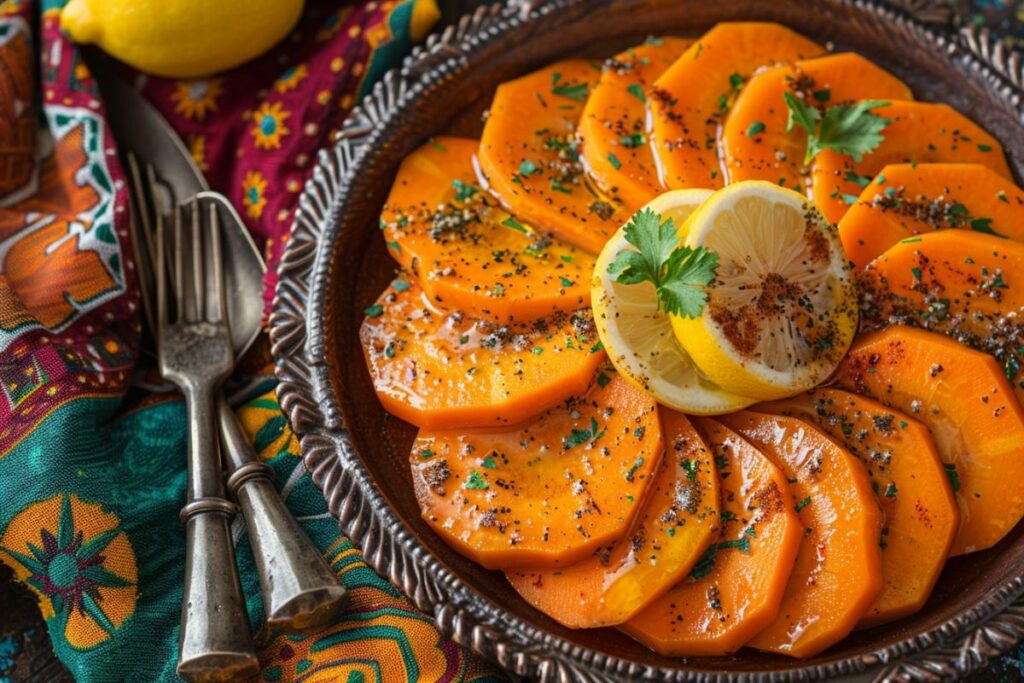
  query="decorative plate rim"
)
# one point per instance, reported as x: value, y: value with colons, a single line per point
x: 954, y: 648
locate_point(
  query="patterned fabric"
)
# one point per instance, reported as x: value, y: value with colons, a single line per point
x: 92, y: 462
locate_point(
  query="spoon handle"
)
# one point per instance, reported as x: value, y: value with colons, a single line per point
x: 300, y: 592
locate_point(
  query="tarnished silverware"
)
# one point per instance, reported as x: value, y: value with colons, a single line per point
x: 195, y: 352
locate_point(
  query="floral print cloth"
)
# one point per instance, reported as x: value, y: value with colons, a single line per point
x: 92, y: 446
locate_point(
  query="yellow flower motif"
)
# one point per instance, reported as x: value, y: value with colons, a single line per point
x: 291, y: 78
x: 254, y: 185
x: 332, y: 24
x: 196, y: 99
x: 268, y: 125
x: 197, y: 146
x: 75, y: 556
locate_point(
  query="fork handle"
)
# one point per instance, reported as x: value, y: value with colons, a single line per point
x: 216, y: 641
x: 300, y: 592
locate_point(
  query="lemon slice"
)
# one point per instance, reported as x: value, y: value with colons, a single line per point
x: 638, y: 337
x: 781, y: 311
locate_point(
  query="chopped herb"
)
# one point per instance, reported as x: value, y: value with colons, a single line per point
x: 463, y: 191
x: 577, y: 93
x: 614, y: 161
x: 426, y: 453
x: 916, y: 272
x: 438, y: 146
x: 632, y: 141
x: 750, y: 531
x: 631, y: 472
x: 400, y: 285
x: 880, y: 180
x: 599, y: 346
x: 890, y: 490
x: 653, y: 40
x: 537, y: 350
x: 755, y: 128
x: 374, y: 311
x: 566, y: 282
x: 671, y: 531
x: 389, y: 350
x: 861, y: 180
x: 394, y: 245
x: 679, y: 274
x: 851, y: 129
x: 511, y: 222
x: 822, y: 95
x: 983, y: 225
x: 850, y: 199
x: 692, y: 467
x: 911, y: 240
x: 1001, y: 196
x: 566, y: 258
x: 706, y: 564
x: 954, y: 478
x: 555, y: 77
x: 802, y: 504
x: 527, y: 168
x: 603, y: 380
x: 727, y: 516
x: 489, y: 463
x: 721, y: 462
x: 736, y: 81
x: 475, y: 482
x: 639, y: 432
x: 637, y: 91
x: 984, y: 148
x: 559, y: 187
x: 582, y: 436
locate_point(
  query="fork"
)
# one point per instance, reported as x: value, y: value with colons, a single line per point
x: 194, y: 350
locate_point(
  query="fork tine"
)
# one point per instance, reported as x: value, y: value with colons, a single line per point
x: 198, y: 265
x: 179, y: 269
x: 217, y: 284
x: 141, y: 235
x: 161, y: 279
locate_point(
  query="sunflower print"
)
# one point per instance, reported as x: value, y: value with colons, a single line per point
x: 195, y: 99
x: 291, y: 78
x: 268, y: 125
x: 75, y: 556
x: 254, y: 187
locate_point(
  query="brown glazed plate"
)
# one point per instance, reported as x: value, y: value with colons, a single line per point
x: 335, y: 265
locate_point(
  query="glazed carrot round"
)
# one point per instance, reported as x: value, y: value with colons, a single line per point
x: 613, y: 128
x: 530, y: 158
x: 917, y: 132
x: 467, y: 252
x: 755, y: 144
x: 442, y: 370
x: 737, y: 586
x: 676, y: 524
x: 964, y: 284
x: 906, y: 200
x: 977, y: 424
x: 838, y: 570
x: 910, y: 483
x: 690, y: 100
x: 547, y: 493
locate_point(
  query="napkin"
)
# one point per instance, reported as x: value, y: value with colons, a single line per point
x: 92, y: 443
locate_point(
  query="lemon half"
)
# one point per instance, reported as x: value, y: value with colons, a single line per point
x: 782, y: 309
x: 639, y: 338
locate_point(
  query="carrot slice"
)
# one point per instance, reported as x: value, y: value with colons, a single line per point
x: 613, y: 126
x: 675, y: 525
x: 921, y: 515
x: 690, y: 100
x: 917, y: 132
x: 529, y: 155
x: 546, y: 493
x: 467, y: 252
x: 966, y: 402
x: 755, y: 143
x: 838, y: 570
x: 736, y: 588
x: 441, y: 370
x: 966, y: 285
x: 907, y: 200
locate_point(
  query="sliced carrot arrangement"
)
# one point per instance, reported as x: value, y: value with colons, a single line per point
x: 442, y: 370
x: 691, y: 99
x: 549, y: 492
x: 906, y: 200
x: 755, y: 143
x: 613, y: 128
x: 910, y: 483
x: 918, y: 133
x: 530, y: 158
x: 966, y: 285
x: 676, y: 524
x: 736, y: 588
x: 837, y: 574
x: 964, y: 399
x: 467, y: 252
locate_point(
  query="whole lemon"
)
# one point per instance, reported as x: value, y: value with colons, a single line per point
x: 181, y: 38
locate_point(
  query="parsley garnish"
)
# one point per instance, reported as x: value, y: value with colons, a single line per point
x: 577, y: 93
x: 954, y: 476
x: 527, y: 168
x: 851, y: 129
x: 637, y: 91
x: 582, y: 436
x: 614, y: 161
x: 475, y: 482
x: 677, y: 273
x: 463, y: 190
x: 511, y: 222
x: 803, y: 503
x: 706, y: 564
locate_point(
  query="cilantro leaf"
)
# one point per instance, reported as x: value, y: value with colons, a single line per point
x: 677, y: 273
x: 577, y: 92
x: 851, y: 129
x: 688, y: 270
